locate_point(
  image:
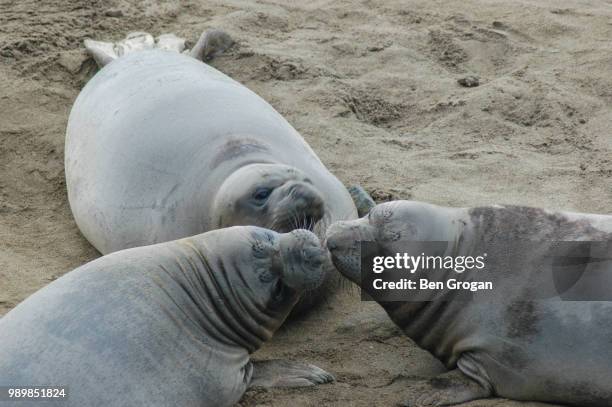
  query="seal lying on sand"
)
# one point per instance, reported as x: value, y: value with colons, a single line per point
x: 170, y: 324
x: 161, y: 146
x: 518, y: 341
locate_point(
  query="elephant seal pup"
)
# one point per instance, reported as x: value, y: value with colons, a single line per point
x: 508, y: 342
x: 161, y: 146
x: 170, y: 324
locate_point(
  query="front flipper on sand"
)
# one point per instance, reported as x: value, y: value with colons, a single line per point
x: 363, y: 201
x: 447, y: 389
x: 285, y: 373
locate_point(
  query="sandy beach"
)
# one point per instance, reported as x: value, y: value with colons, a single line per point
x: 374, y: 87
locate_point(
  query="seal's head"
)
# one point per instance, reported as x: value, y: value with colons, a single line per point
x: 285, y: 266
x: 383, y: 232
x: 290, y: 263
x: 276, y: 267
x: 258, y: 275
x: 274, y: 196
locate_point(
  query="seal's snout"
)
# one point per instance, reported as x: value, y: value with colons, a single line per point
x: 302, y: 205
x: 339, y: 235
x: 343, y: 242
x: 303, y: 258
x: 307, y: 198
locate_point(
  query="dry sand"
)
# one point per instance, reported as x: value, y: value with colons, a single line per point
x: 372, y: 86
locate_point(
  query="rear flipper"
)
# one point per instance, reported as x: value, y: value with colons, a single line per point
x: 363, y: 201
x: 106, y: 52
x: 210, y: 44
x: 284, y: 373
x: 447, y: 389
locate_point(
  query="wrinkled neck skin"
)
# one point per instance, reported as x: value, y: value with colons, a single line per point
x: 431, y: 324
x: 222, y: 303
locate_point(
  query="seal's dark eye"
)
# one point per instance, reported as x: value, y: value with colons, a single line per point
x: 262, y: 194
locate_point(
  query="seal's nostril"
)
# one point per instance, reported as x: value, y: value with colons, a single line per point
x: 331, y: 245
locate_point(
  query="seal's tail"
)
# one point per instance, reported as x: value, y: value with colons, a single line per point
x: 210, y: 44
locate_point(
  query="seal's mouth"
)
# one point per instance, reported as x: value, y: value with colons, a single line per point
x: 301, y: 207
x: 309, y: 222
x: 290, y: 223
x: 303, y: 258
x: 295, y: 205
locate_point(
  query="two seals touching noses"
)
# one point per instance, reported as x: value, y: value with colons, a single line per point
x: 508, y: 342
x: 160, y: 146
x: 167, y: 324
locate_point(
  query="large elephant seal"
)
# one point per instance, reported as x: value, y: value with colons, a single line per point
x: 520, y: 340
x: 170, y: 324
x: 161, y: 146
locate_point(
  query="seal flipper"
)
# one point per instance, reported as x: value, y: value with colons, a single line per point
x: 447, y: 389
x: 106, y: 52
x: 285, y: 373
x: 211, y: 44
x: 362, y: 200
x: 102, y: 52
x: 170, y: 42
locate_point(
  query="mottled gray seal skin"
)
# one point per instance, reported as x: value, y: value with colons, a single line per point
x: 171, y: 324
x: 161, y: 146
x: 545, y: 350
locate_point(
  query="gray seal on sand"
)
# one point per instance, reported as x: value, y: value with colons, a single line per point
x: 171, y: 324
x: 508, y: 342
x: 160, y: 145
